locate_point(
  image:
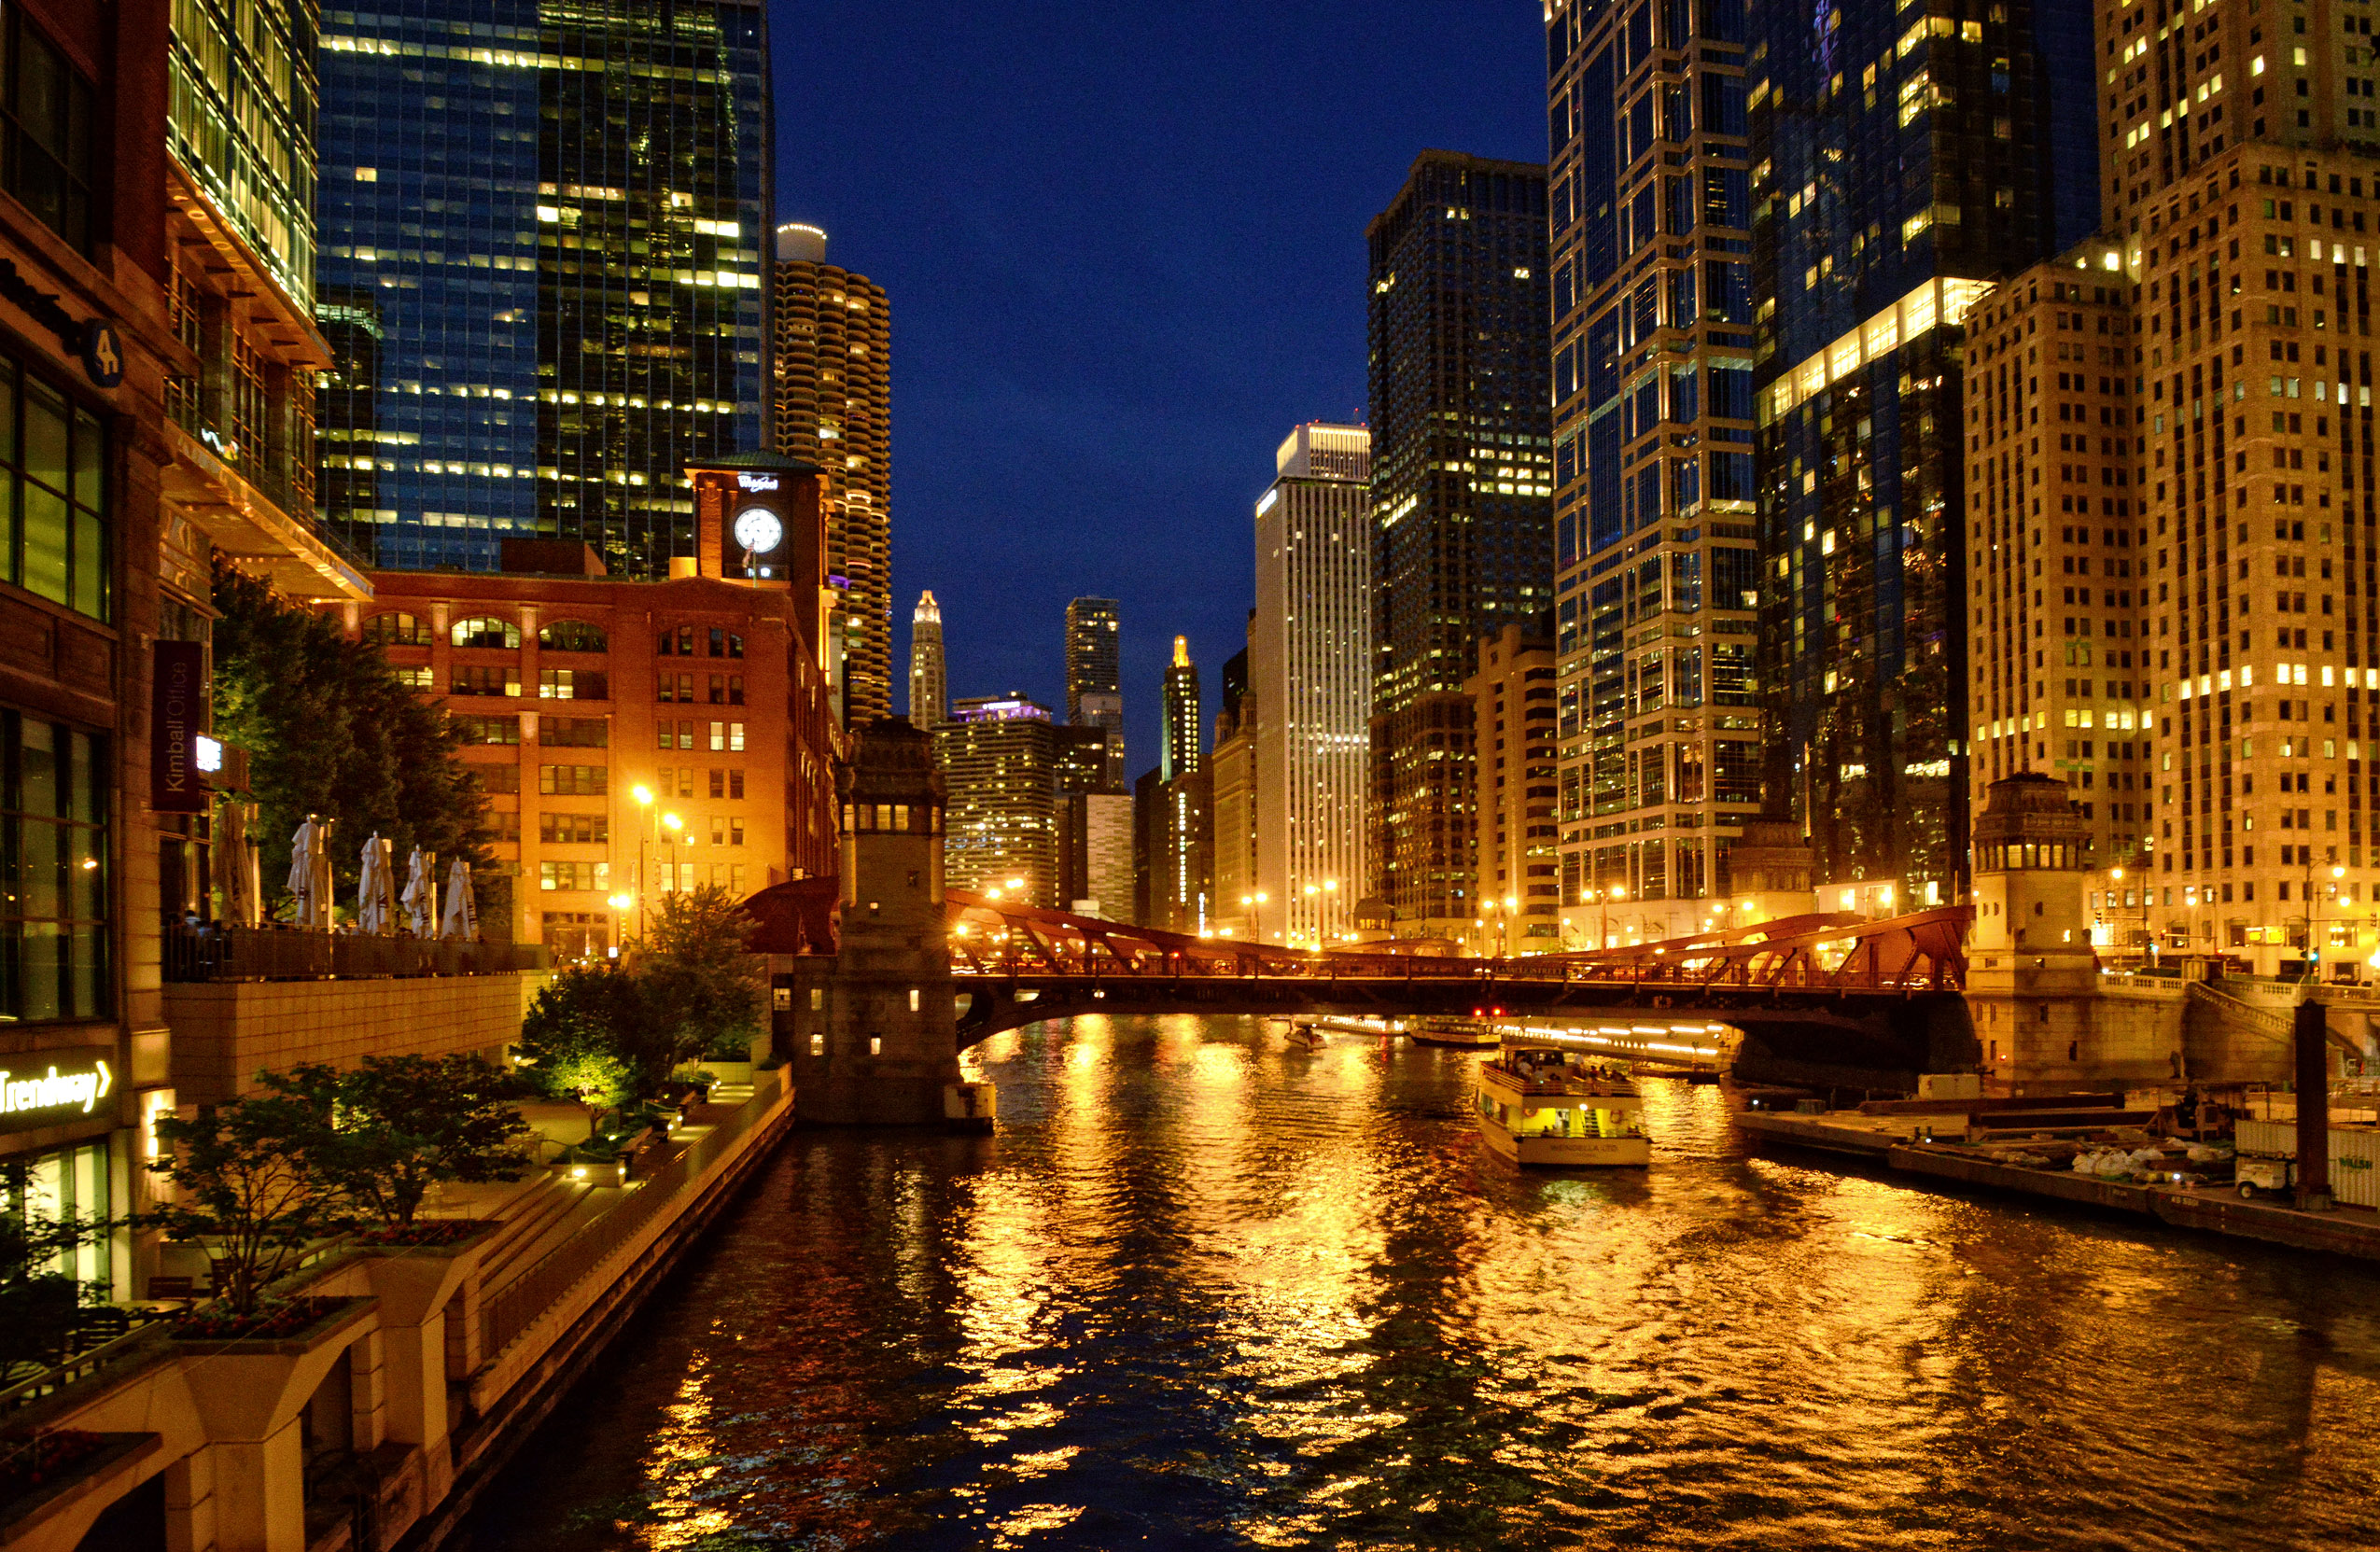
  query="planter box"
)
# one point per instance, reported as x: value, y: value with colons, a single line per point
x: 248, y: 1388
x: 414, y: 1280
x: 117, y: 1461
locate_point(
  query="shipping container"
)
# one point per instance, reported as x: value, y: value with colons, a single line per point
x: 2354, y: 1155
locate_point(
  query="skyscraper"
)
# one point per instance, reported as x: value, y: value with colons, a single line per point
x: 1901, y: 169
x: 1094, y: 677
x: 831, y: 387
x: 1658, y: 580
x: 1462, y: 487
x: 1182, y: 731
x: 541, y: 272
x: 1310, y: 647
x: 929, y: 687
x: 999, y: 754
x: 2242, y: 178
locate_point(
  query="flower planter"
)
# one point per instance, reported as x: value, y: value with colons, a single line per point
x: 76, y: 1468
x: 249, y: 1388
x: 412, y: 1280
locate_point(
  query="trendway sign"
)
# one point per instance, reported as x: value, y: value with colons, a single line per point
x: 53, y: 1088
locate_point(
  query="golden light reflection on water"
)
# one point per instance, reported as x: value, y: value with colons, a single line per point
x: 1207, y: 1289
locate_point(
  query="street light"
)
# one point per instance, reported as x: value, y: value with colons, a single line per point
x: 1602, y: 897
x: 670, y: 824
x: 643, y: 796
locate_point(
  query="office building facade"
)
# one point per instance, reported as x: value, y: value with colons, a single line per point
x: 1309, y: 654
x: 1657, y: 573
x: 2242, y: 179
x: 541, y: 272
x: 831, y: 402
x: 999, y: 755
x: 928, y: 684
x: 1182, y: 732
x: 1513, y: 709
x: 1093, y: 677
x: 1462, y: 489
x: 1904, y: 164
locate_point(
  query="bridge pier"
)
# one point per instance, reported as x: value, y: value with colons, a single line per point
x: 868, y: 1033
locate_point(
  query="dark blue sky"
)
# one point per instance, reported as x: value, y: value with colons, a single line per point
x: 1125, y: 247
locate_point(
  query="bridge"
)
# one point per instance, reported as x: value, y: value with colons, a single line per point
x: 1821, y: 998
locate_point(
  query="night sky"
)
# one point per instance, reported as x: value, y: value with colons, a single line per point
x: 1125, y: 247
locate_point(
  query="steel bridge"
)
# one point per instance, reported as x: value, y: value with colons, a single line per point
x: 1825, y: 998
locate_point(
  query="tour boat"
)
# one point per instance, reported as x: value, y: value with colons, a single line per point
x: 1467, y: 1034
x: 1541, y: 1106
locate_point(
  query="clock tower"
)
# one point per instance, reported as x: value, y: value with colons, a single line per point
x: 759, y: 519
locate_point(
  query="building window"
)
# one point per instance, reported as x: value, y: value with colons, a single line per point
x: 53, y: 454
x: 53, y: 847
x: 420, y: 675
x: 574, y: 781
x: 572, y: 635
x: 574, y: 733
x: 678, y: 689
x: 674, y: 736
x: 575, y: 829
x: 674, y: 641
x: 577, y: 935
x: 724, y: 643
x: 395, y: 629
x: 573, y: 684
x: 60, y: 1185
x: 497, y: 779
x: 488, y: 729
x: 487, y: 681
x: 574, y: 875
x: 727, y: 690
x: 46, y: 110
x: 497, y: 635
x: 725, y: 783
x: 724, y: 737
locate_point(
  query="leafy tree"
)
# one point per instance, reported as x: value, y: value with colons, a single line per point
x: 588, y: 1038
x: 249, y: 1185
x: 330, y: 729
x: 401, y: 1125
x: 38, y: 1301
x: 706, y: 991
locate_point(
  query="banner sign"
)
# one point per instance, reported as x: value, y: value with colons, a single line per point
x: 177, y: 710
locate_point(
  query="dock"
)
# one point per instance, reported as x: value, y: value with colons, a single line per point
x: 1918, y: 1144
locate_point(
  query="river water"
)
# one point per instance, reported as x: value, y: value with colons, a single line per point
x: 1204, y: 1290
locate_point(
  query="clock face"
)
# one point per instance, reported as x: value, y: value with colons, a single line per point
x: 758, y: 530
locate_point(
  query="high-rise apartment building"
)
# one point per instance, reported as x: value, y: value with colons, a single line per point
x: 1904, y: 163
x: 1513, y: 710
x: 1094, y: 677
x: 929, y: 685
x: 1660, y: 752
x: 999, y: 754
x: 2060, y: 682
x: 1182, y: 731
x: 1231, y: 789
x: 831, y: 402
x: 1309, y: 658
x: 541, y: 273
x: 2242, y: 179
x: 1462, y: 489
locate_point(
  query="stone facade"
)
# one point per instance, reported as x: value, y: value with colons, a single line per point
x: 225, y: 1032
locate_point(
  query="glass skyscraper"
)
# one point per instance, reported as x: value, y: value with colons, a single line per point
x: 1462, y: 509
x: 1904, y: 161
x: 542, y: 227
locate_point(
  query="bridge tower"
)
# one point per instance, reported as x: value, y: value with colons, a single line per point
x: 2044, y: 1015
x: 873, y: 1028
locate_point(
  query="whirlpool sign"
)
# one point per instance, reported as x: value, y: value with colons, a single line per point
x: 53, y: 1088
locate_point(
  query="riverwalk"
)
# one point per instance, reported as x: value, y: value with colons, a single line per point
x: 375, y: 1426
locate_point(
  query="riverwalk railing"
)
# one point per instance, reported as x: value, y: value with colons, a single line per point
x: 305, y: 954
x: 511, y: 1309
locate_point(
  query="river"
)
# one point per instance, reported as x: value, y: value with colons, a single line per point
x: 1205, y: 1290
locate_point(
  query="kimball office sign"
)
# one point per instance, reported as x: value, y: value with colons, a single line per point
x: 53, y: 1088
x: 177, y: 701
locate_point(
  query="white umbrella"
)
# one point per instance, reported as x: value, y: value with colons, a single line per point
x: 310, y: 872
x: 374, y: 887
x: 462, y: 918
x: 420, y: 899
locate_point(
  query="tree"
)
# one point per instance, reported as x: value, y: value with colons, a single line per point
x: 332, y: 729
x: 37, y: 1300
x: 401, y: 1125
x: 586, y: 1037
x: 703, y: 988
x: 249, y: 1186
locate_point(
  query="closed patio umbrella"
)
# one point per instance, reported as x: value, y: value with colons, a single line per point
x: 462, y: 918
x: 420, y: 899
x: 375, y: 886
x: 235, y: 865
x: 310, y: 873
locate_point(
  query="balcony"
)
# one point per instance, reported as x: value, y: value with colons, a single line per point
x: 293, y: 954
x: 257, y: 520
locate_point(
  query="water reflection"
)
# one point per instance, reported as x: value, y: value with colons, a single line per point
x: 1206, y: 1288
